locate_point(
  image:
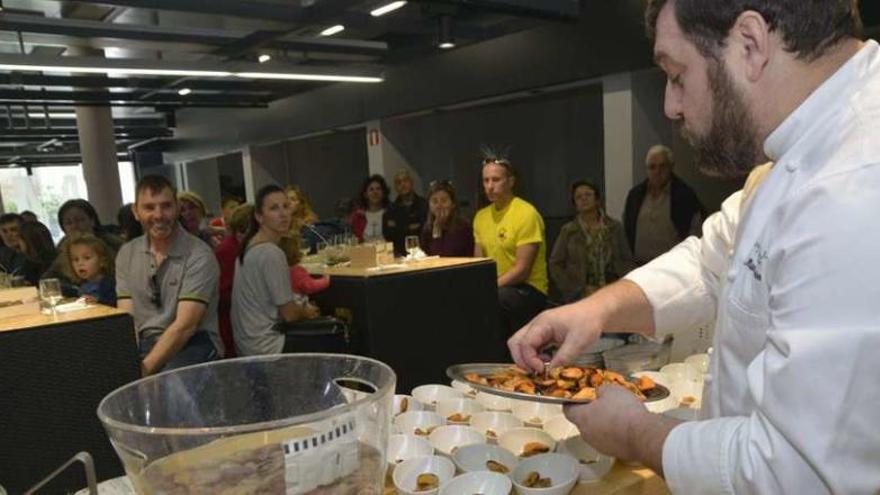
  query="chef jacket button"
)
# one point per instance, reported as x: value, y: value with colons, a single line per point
x: 790, y: 167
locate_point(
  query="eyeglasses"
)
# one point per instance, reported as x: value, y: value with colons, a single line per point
x: 156, y: 291
x: 440, y: 183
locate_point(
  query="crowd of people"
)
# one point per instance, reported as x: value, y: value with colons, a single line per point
x: 200, y: 288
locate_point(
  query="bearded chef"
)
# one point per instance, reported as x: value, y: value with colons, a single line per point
x: 788, y: 270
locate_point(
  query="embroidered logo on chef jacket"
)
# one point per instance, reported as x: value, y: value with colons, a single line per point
x: 755, y: 263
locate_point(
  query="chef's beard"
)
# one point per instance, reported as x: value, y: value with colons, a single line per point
x: 731, y: 147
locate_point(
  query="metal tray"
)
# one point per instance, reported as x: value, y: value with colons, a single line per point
x: 458, y: 372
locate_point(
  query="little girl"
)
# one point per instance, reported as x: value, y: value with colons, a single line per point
x: 89, y: 265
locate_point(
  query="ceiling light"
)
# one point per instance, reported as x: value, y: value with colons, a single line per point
x: 117, y: 71
x: 445, y: 40
x: 308, y: 77
x: 41, y: 115
x: 264, y: 57
x: 153, y: 67
x: 184, y: 91
x: 330, y: 31
x: 387, y: 8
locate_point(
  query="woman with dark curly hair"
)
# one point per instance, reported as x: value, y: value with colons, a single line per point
x: 366, y: 221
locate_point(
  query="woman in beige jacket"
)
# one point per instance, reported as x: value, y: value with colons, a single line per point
x: 591, y: 250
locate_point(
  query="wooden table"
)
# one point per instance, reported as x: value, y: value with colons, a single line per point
x: 53, y: 373
x: 422, y: 317
x: 621, y: 480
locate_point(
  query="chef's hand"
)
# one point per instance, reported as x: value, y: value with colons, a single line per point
x: 607, y: 422
x: 619, y: 425
x: 573, y: 327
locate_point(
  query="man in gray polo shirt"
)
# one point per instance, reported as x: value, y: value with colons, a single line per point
x: 168, y: 280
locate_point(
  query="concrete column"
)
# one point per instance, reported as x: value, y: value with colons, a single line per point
x: 617, y: 103
x: 97, y: 143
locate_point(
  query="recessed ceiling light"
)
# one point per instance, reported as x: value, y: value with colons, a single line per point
x: 387, y: 8
x: 264, y: 57
x: 330, y: 31
x: 184, y: 91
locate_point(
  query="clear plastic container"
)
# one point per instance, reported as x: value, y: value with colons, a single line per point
x: 294, y: 424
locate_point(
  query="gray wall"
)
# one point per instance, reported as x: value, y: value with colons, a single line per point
x: 552, y: 141
x: 328, y: 167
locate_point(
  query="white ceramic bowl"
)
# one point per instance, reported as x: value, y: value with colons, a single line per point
x: 515, y: 439
x: 405, y: 447
x: 592, y: 465
x: 407, y: 422
x: 489, y: 422
x: 535, y: 413
x: 446, y: 439
x: 464, y: 388
x: 561, y: 469
x: 560, y: 428
x: 682, y: 371
x: 484, y: 483
x: 494, y: 402
x: 474, y: 458
x: 701, y: 361
x: 411, y: 404
x: 464, y: 407
x: 407, y: 472
x: 429, y: 395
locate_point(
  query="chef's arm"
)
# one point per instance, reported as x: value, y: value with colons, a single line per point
x: 682, y: 285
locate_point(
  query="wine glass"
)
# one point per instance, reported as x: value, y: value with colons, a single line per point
x: 412, y: 245
x: 50, y: 293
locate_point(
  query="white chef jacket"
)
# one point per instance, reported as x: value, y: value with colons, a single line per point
x: 792, y: 400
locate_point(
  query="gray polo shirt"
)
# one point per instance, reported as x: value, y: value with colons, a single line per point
x: 188, y: 273
x: 261, y: 285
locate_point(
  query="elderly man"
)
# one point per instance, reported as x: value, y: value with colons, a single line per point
x: 661, y: 211
x: 168, y: 280
x: 789, y: 272
x: 407, y: 213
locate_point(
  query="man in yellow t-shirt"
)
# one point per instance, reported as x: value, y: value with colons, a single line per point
x: 511, y: 231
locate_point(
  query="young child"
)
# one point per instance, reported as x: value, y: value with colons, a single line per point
x: 301, y: 281
x: 89, y: 265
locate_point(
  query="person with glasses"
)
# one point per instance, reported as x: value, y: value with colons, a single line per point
x: 511, y: 231
x: 168, y: 280
x: 446, y: 232
x: 406, y: 215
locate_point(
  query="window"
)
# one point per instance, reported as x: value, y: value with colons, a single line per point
x: 49, y: 187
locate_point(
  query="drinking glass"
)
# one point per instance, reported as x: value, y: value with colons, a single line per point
x: 412, y: 245
x: 50, y: 293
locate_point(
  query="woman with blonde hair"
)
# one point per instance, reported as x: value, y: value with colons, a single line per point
x: 300, y: 206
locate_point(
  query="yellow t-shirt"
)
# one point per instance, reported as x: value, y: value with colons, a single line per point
x: 499, y: 233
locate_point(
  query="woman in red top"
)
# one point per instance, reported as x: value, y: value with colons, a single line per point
x: 366, y: 221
